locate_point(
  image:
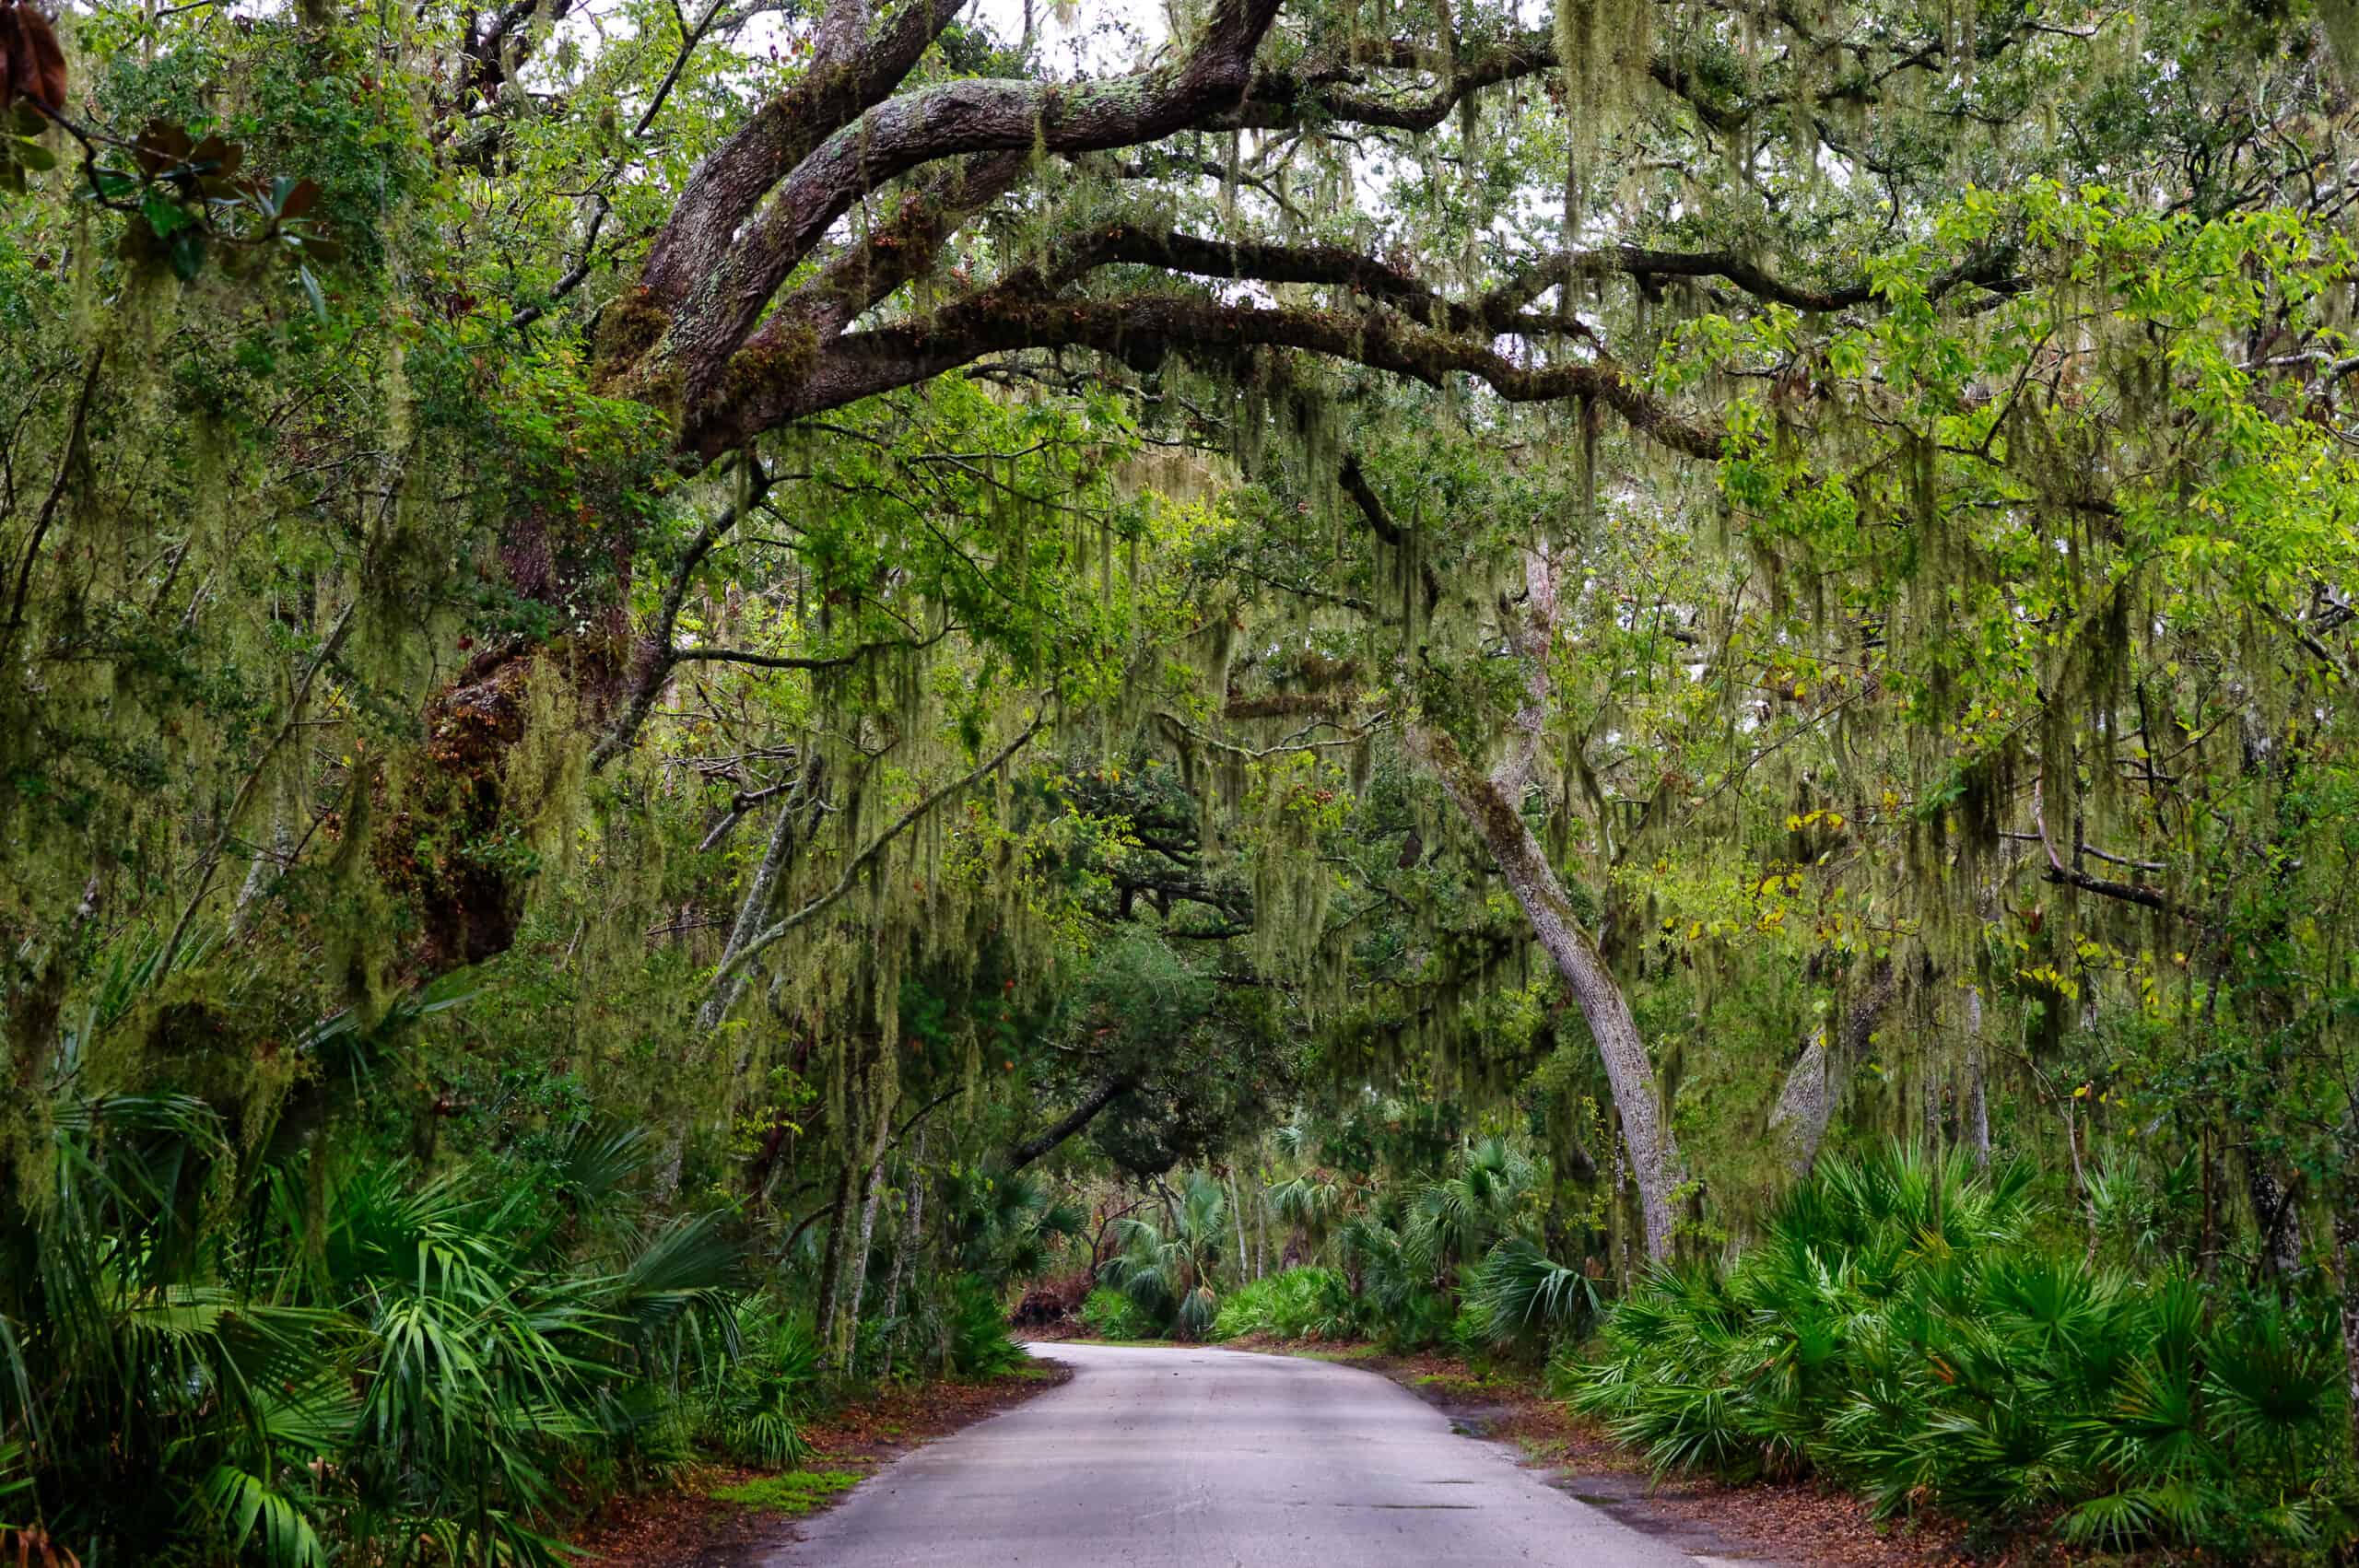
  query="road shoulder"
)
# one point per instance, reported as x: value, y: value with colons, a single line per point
x: 1783, y: 1523
x: 727, y: 1516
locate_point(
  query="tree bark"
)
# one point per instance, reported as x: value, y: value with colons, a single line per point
x: 831, y: 1266
x: 2275, y: 1219
x: 1978, y: 1090
x: 856, y: 1266
x: 912, y: 1229
x: 1646, y: 1132
x: 1237, y: 1213
x: 1080, y: 1115
x: 2348, y: 1267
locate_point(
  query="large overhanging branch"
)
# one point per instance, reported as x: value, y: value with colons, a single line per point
x: 760, y: 205
x: 716, y: 309
x: 896, y: 251
x: 1335, y: 90
x: 1145, y: 329
x: 855, y: 64
x: 1503, y: 310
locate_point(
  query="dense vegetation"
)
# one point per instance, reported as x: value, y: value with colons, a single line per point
x: 1655, y: 685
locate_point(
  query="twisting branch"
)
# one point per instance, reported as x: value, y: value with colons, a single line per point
x: 875, y: 846
x: 717, y: 307
x: 48, y: 513
x: 1144, y: 329
x: 2088, y: 882
x: 855, y: 64
x: 658, y: 657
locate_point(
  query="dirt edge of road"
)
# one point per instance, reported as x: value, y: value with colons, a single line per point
x: 691, y: 1525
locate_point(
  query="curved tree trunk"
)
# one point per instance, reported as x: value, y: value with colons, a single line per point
x: 912, y: 1229
x: 1645, y: 1130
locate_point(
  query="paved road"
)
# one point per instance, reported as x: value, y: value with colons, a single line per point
x: 1206, y: 1458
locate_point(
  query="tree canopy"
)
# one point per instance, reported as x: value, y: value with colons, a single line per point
x: 925, y: 604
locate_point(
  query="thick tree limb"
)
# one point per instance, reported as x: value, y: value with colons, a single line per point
x: 721, y: 301
x: 657, y: 657
x: 1072, y: 1122
x: 1146, y: 328
x: 898, y: 250
x: 1363, y: 496
x: 855, y: 64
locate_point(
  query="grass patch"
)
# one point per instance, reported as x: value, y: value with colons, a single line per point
x: 796, y: 1491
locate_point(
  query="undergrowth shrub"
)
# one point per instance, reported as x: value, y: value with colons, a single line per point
x: 1518, y: 1295
x: 1111, y: 1314
x: 750, y: 1405
x: 1902, y: 1330
x: 1300, y: 1303
x: 976, y: 1324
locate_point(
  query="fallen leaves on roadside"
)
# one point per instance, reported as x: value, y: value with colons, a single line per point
x: 714, y: 1515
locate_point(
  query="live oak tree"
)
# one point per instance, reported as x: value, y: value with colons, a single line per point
x: 832, y: 248
x: 813, y: 555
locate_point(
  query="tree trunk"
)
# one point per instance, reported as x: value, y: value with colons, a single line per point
x: 1646, y: 1131
x: 2346, y: 1258
x: 831, y: 1266
x: 1237, y: 1213
x: 1977, y: 1092
x: 856, y: 1266
x: 912, y: 1223
x: 2274, y: 1218
x: 1802, y: 1107
x: 1261, y: 1239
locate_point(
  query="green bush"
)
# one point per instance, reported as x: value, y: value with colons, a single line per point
x: 1301, y: 1304
x: 1902, y: 1330
x: 1519, y: 1295
x: 751, y: 1405
x: 975, y: 1322
x: 1111, y: 1314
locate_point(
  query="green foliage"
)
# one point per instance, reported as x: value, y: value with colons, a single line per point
x: 1167, y: 1270
x: 1110, y: 1314
x: 1904, y: 1330
x: 796, y: 1492
x: 976, y: 1323
x: 375, y: 1355
x: 1519, y: 1295
x: 1307, y: 1302
x: 750, y: 1401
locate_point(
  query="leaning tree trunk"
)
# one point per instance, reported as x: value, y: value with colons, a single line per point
x: 831, y: 1266
x: 855, y: 1272
x: 913, y: 1224
x: 1646, y: 1132
x: 1492, y: 805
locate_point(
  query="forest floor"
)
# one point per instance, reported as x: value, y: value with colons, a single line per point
x: 718, y: 1515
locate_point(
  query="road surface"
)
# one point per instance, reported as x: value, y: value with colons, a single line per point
x: 1205, y: 1458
